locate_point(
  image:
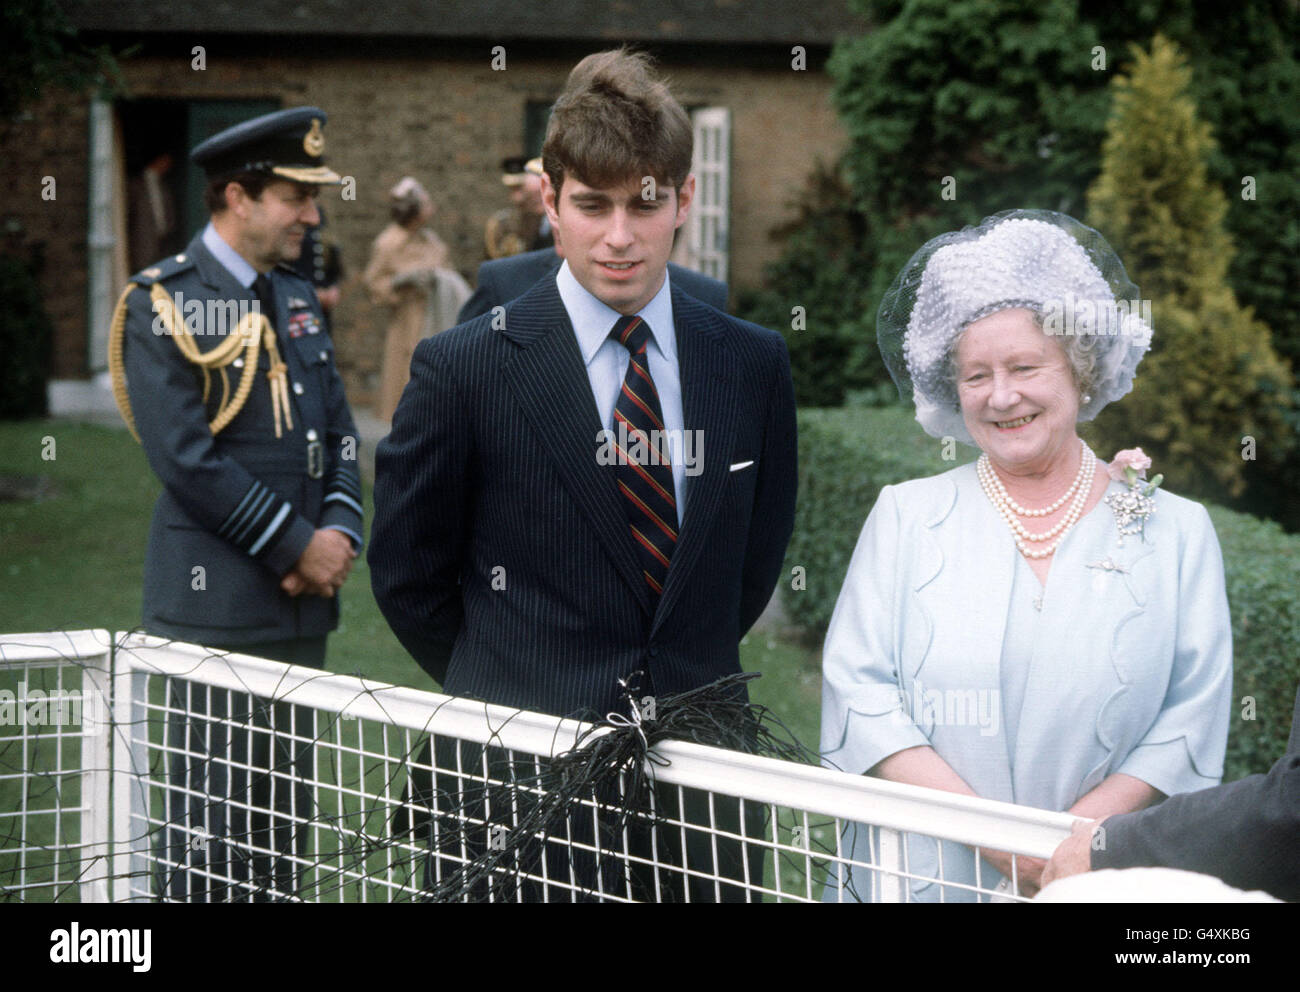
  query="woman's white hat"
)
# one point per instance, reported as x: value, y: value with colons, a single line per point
x: 409, y: 188
x: 1037, y: 259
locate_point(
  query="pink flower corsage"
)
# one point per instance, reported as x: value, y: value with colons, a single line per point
x: 1133, y: 507
x: 1130, y: 458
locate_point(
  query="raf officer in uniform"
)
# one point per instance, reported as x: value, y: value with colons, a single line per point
x: 224, y: 371
x: 524, y: 226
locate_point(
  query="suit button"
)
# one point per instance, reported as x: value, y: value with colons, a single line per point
x: 238, y: 363
x: 324, y: 356
x: 311, y: 434
x: 297, y: 388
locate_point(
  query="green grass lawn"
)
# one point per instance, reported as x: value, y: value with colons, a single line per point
x: 76, y: 559
x: 73, y: 559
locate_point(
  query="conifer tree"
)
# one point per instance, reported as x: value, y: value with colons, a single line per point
x: 1212, y: 393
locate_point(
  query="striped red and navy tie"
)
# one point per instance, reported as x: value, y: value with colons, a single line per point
x: 645, y: 474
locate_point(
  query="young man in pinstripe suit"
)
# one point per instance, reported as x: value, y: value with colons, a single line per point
x: 515, y: 563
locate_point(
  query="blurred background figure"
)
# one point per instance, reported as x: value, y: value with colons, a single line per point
x: 522, y: 226
x: 410, y: 272
x: 153, y: 230
x: 321, y: 264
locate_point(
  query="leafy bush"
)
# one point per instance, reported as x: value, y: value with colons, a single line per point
x: 25, y: 336
x: 1010, y: 101
x: 847, y: 455
x: 1212, y: 378
x: 826, y: 270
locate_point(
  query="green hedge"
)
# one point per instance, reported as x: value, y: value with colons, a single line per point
x: 847, y: 455
x: 1261, y: 565
x: 830, y: 269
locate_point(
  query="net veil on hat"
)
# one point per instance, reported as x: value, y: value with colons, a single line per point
x: 1038, y: 259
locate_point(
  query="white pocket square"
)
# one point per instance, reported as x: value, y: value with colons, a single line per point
x: 739, y: 465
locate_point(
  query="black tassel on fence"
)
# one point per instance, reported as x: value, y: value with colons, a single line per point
x: 534, y: 818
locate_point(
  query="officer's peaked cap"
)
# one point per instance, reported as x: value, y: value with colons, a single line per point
x: 288, y: 143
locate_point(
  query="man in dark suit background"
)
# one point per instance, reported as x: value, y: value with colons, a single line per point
x: 501, y: 280
x: 1246, y: 832
x: 513, y: 557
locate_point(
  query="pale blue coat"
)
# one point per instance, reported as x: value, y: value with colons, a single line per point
x: 1131, y: 670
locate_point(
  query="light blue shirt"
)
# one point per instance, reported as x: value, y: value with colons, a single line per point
x: 234, y: 262
x: 246, y: 275
x: 607, y: 360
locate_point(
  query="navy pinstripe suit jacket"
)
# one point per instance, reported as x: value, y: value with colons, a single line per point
x: 500, y: 550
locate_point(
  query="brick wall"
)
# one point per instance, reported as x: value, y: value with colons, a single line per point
x: 50, y: 140
x: 446, y: 121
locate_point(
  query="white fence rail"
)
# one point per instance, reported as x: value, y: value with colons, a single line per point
x: 239, y: 778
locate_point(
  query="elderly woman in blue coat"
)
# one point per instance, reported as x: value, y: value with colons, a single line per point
x: 1026, y: 627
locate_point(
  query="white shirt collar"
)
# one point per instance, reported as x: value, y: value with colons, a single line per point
x: 593, y: 320
x: 234, y: 262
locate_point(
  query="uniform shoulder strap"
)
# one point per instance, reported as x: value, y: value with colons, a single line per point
x: 252, y: 332
x: 158, y: 272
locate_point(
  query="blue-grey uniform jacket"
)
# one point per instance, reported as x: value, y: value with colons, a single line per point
x: 238, y: 508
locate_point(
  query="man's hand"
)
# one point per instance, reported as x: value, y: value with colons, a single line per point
x: 1073, y: 855
x: 323, y: 567
x: 328, y: 296
x: 1028, y: 870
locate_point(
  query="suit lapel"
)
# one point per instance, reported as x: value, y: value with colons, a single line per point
x: 550, y: 383
x: 709, y: 380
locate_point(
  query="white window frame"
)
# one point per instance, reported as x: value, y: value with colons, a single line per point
x: 708, y: 227
x: 104, y: 240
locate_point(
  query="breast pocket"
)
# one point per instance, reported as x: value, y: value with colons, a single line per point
x: 744, y: 465
x: 316, y: 352
x: 736, y: 508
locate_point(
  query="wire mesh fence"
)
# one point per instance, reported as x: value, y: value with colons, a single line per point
x: 54, y: 766
x: 240, y: 779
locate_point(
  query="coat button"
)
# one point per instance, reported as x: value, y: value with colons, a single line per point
x: 324, y: 356
x: 311, y: 434
x: 297, y: 388
x: 238, y: 363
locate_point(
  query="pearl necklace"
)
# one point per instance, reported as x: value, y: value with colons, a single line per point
x: 1077, y: 494
x: 1047, y: 510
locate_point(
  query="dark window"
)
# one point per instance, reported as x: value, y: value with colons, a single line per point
x: 537, y: 114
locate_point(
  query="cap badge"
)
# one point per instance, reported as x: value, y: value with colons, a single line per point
x: 314, y: 143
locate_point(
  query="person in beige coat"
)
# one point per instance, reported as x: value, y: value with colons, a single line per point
x: 409, y: 272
